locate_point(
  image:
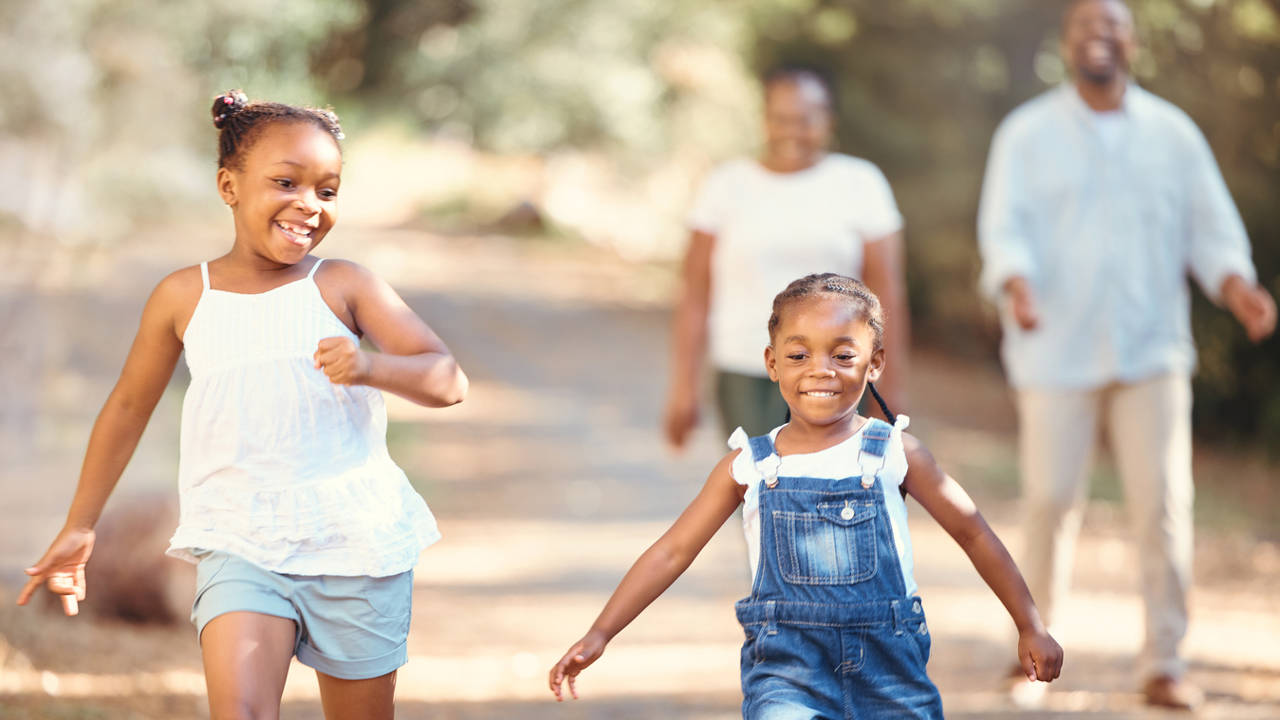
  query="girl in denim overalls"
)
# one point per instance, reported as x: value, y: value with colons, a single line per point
x: 833, y: 629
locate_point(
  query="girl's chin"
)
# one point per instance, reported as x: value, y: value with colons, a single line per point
x: 824, y: 419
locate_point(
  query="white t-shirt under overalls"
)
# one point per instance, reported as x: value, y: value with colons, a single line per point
x: 279, y: 465
x: 836, y: 462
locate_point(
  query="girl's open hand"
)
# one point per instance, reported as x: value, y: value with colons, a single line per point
x: 62, y: 569
x: 583, y: 653
x: 342, y: 360
x: 1040, y: 655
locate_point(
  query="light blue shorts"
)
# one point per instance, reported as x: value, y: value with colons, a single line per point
x: 353, y: 628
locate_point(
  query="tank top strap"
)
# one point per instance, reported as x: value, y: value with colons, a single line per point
x: 312, y: 275
x: 204, y: 274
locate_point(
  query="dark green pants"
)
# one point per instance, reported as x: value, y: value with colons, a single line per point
x: 750, y: 402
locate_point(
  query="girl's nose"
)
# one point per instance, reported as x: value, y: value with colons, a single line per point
x: 308, y: 203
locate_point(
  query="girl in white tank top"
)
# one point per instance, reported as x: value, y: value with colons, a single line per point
x: 284, y: 462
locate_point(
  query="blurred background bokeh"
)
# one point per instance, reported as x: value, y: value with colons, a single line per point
x: 520, y: 170
x: 597, y: 117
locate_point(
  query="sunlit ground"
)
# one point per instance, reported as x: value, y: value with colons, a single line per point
x: 550, y: 480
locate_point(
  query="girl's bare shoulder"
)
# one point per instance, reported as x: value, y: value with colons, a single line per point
x: 178, y: 290
x: 916, y: 452
x: 722, y: 474
x: 344, y: 274
x: 174, y: 299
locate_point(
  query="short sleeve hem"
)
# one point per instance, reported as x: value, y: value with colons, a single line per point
x: 743, y: 468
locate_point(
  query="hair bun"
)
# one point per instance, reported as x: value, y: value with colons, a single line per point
x: 227, y: 104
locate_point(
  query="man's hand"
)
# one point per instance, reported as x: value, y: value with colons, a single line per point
x: 1252, y: 306
x: 1022, y: 303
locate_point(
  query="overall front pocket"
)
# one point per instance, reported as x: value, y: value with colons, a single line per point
x: 836, y: 545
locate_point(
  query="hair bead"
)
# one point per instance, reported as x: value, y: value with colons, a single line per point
x: 239, y: 122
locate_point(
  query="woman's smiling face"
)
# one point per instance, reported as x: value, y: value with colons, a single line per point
x: 285, y: 194
x: 822, y: 356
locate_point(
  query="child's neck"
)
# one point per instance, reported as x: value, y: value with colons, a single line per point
x: 799, y: 437
x: 243, y: 259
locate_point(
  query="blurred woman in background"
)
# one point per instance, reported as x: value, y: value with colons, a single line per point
x: 758, y: 223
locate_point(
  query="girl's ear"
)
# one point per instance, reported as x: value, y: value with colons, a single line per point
x: 226, y: 181
x: 771, y: 362
x: 875, y: 368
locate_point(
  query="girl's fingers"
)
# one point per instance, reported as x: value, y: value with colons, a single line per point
x: 572, y: 689
x: 70, y: 605
x: 81, y: 587
x: 29, y: 588
x: 62, y: 584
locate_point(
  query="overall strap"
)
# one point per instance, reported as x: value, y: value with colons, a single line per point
x: 766, y: 458
x: 204, y: 274
x: 315, y: 267
x: 871, y: 456
x: 761, y: 447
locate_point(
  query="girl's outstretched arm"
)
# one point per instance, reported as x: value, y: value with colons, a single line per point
x: 115, y: 435
x: 950, y: 505
x: 413, y: 361
x: 654, y: 571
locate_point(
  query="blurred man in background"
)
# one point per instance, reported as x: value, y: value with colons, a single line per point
x: 1099, y: 199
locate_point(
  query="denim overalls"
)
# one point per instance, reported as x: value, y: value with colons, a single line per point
x: 830, y: 631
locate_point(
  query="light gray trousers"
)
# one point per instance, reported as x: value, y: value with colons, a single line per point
x: 1148, y: 425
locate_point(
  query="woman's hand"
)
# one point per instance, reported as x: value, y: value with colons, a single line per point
x: 62, y: 569
x: 583, y: 653
x: 680, y: 416
x: 342, y: 360
x: 1040, y: 655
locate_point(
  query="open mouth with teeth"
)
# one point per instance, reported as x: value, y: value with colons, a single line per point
x: 1099, y: 51
x: 820, y: 393
x: 297, y: 234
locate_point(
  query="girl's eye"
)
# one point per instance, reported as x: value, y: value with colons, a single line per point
x: 844, y: 357
x: 328, y: 194
x: 284, y: 183
x: 797, y: 356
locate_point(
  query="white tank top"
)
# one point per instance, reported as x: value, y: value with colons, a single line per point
x: 279, y: 465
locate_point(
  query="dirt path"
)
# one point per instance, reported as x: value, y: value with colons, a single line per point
x: 548, y: 482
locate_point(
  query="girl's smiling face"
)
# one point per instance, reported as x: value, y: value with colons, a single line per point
x: 285, y: 194
x: 822, y: 356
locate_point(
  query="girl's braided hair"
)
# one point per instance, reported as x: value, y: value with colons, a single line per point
x: 857, y: 294
x: 240, y: 122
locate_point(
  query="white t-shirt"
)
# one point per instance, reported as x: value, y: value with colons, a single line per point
x: 837, y: 462
x: 773, y: 228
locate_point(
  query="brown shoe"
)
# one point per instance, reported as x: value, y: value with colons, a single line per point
x: 1170, y: 692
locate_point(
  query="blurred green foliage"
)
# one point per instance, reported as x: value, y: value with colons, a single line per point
x: 107, y: 101
x: 105, y: 121
x: 922, y: 85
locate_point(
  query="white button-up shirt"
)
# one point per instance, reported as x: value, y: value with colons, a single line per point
x: 1104, y: 214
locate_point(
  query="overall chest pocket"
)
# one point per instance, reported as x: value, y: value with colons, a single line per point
x: 835, y: 545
